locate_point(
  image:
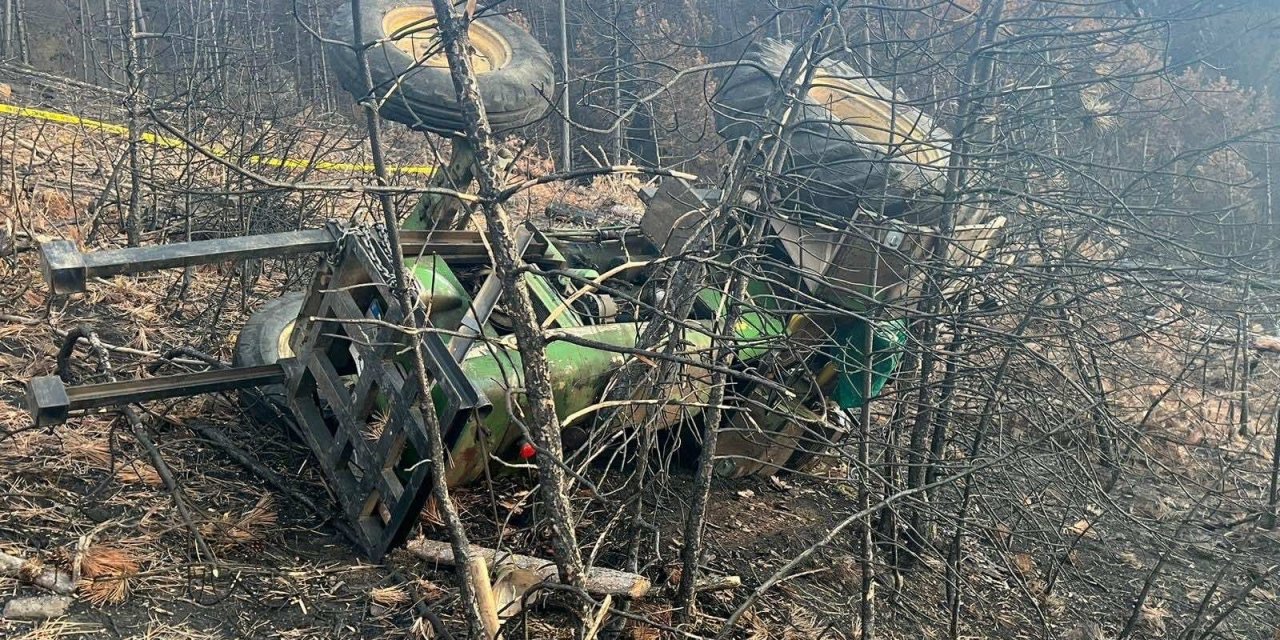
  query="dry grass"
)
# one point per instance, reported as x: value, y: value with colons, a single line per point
x: 249, y: 528
x: 58, y: 629
x: 139, y: 472
x: 390, y: 597
x: 90, y: 448
x: 164, y: 631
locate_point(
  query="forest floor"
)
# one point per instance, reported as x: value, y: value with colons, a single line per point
x: 84, y: 496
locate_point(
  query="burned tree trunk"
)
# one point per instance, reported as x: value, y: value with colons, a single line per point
x: 440, y: 490
x: 542, y: 420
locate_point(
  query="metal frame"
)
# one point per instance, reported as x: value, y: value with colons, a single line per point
x: 357, y: 403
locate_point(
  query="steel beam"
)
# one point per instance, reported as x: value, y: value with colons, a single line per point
x: 67, y: 270
x: 49, y: 400
x: 484, y: 302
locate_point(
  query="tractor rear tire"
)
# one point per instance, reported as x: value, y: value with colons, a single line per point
x: 841, y: 154
x: 263, y: 341
x: 514, y: 72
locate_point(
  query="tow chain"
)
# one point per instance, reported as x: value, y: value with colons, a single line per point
x: 375, y: 246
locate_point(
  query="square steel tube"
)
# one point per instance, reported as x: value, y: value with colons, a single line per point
x: 67, y: 270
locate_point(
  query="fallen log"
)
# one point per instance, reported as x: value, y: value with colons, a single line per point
x: 31, y: 572
x: 36, y: 608
x: 1254, y: 341
x: 598, y: 580
x: 1267, y: 343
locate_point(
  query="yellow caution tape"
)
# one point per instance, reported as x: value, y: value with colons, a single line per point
x: 174, y: 143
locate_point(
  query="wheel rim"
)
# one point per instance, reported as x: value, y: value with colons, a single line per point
x: 414, y: 31
x: 282, y: 343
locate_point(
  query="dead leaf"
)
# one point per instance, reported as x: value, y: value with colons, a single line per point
x: 779, y: 483
x: 746, y: 494
x: 1081, y: 529
x: 1152, y: 618
x: 1004, y: 534
x: 674, y: 573
x: 1024, y: 564
x: 429, y: 591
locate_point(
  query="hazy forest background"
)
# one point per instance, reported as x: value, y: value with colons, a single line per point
x: 1082, y: 444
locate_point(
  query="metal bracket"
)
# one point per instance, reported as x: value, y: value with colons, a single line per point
x: 63, y: 266
x: 47, y: 400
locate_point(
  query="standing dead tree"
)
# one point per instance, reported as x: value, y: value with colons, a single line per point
x: 473, y: 579
x: 542, y: 421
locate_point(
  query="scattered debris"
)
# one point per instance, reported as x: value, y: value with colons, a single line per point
x: 1081, y: 529
x: 252, y: 527
x: 61, y: 628
x: 718, y: 583
x: 387, y: 600
x: 1152, y: 618
x: 598, y: 620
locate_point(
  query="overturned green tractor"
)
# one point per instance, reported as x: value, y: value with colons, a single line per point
x: 855, y: 218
